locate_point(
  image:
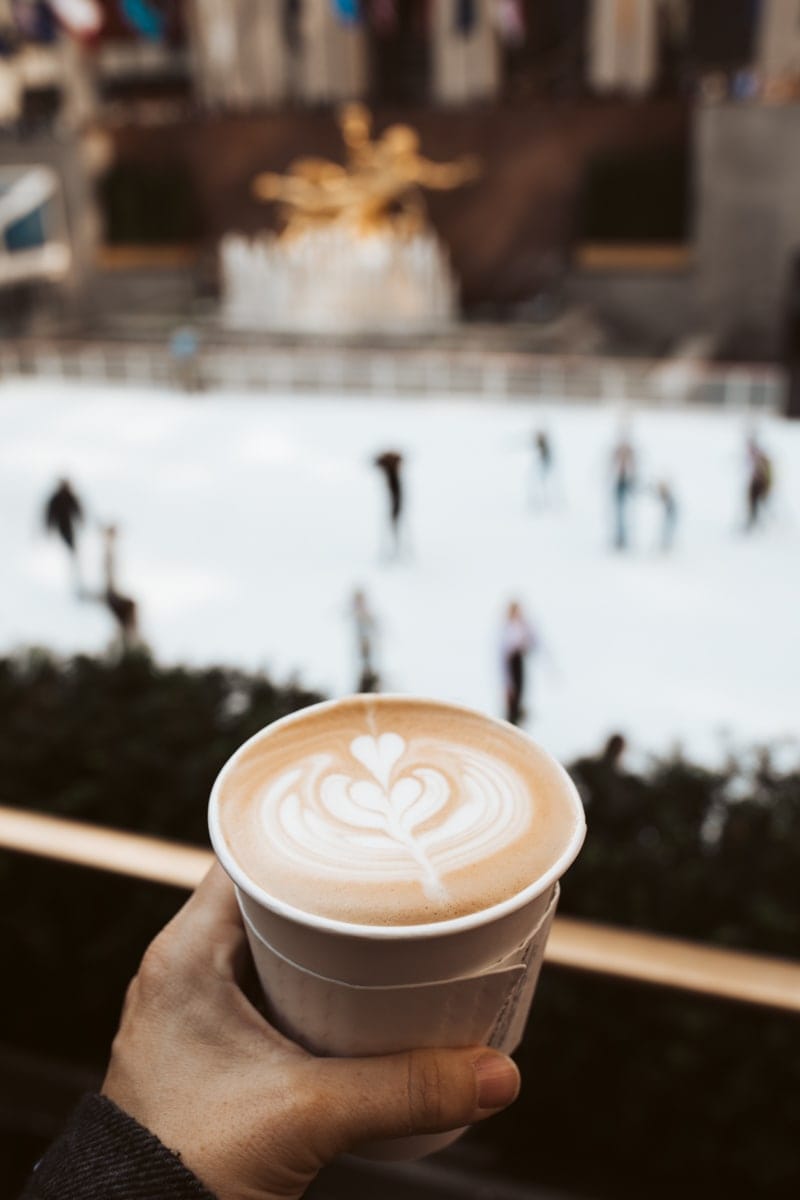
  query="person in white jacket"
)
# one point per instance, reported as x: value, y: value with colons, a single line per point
x: 518, y: 640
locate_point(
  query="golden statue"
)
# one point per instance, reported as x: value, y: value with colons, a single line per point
x: 380, y: 188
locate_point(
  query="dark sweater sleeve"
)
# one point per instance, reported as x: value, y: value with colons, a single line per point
x: 103, y: 1154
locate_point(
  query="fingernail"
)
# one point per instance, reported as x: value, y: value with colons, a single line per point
x: 498, y: 1081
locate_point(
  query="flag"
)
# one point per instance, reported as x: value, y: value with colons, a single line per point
x: 383, y: 14
x: 291, y: 24
x: 348, y: 11
x: 34, y: 20
x: 465, y: 17
x: 509, y: 20
x: 145, y: 17
x: 81, y: 18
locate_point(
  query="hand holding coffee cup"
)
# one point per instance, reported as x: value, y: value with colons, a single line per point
x: 248, y: 1112
x: 396, y: 862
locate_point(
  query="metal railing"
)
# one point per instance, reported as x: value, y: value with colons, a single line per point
x: 493, y: 374
x: 579, y: 945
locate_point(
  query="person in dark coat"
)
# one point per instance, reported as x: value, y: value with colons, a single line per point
x: 63, y: 514
x: 390, y: 464
x: 759, y: 483
x: 616, y: 797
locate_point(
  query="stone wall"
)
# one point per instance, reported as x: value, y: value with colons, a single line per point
x: 747, y: 222
x: 509, y: 233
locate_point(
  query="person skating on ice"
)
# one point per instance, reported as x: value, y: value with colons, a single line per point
x: 623, y: 467
x: 63, y: 516
x: 365, y: 628
x: 542, y: 468
x: 759, y: 482
x: 390, y: 464
x: 123, y: 608
x: 518, y: 640
x: 668, y: 504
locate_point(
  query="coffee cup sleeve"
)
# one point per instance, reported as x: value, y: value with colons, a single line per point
x: 334, y: 1018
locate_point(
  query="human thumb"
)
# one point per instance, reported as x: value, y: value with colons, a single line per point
x: 421, y: 1091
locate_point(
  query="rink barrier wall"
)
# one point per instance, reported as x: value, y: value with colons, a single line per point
x: 599, y: 949
x: 322, y: 369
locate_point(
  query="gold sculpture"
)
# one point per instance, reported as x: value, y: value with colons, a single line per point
x: 379, y: 189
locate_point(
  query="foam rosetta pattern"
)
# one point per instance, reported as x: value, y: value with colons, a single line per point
x: 391, y: 809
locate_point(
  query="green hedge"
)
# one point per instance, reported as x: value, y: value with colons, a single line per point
x: 704, y: 854
x: 630, y: 1091
x: 125, y: 744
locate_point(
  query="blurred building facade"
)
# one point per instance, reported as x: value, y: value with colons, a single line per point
x: 610, y: 129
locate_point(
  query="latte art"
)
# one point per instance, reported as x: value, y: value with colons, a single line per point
x: 386, y: 811
x: 393, y: 817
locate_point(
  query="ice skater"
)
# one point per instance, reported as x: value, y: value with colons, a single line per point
x: 365, y: 628
x: 122, y: 608
x: 759, y: 483
x: 63, y: 515
x: 623, y: 465
x: 390, y: 464
x: 668, y: 504
x: 542, y: 469
x: 518, y: 640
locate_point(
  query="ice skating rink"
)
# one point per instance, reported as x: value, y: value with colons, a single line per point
x: 246, y: 523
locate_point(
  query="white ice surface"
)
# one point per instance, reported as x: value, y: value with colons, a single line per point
x: 248, y: 520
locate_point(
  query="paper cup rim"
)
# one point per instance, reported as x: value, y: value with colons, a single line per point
x: 391, y: 933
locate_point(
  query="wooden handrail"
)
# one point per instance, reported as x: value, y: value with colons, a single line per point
x: 578, y: 945
x: 85, y: 845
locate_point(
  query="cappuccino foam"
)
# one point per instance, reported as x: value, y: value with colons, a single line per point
x: 387, y: 811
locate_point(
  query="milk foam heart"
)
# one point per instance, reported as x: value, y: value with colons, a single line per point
x: 391, y: 811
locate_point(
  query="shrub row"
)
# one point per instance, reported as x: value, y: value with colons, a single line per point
x: 630, y: 1091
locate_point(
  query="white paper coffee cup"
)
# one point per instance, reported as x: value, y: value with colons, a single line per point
x: 345, y: 989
